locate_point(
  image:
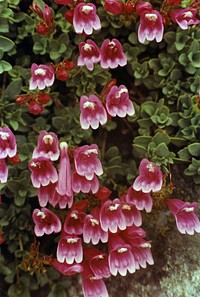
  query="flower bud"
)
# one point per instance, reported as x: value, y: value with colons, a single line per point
x: 35, y: 108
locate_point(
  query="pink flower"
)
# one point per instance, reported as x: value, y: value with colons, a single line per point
x: 45, y: 193
x: 67, y: 269
x: 92, y: 112
x: 47, y: 146
x: 46, y: 222
x: 92, y: 230
x: 186, y: 220
x: 85, y: 18
x: 74, y: 223
x: 151, y: 26
x: 150, y: 178
x: 142, y: 7
x: 42, y: 76
x: 86, y: 161
x: 64, y: 185
x: 111, y: 216
x: 8, y: 147
x: 184, y: 17
x: 118, y: 102
x: 139, y: 199
x: 62, y: 200
x: 120, y: 257
x: 70, y: 249
x: 42, y: 172
x: 114, y: 6
x: 80, y: 183
x: 89, y: 54
x: 99, y: 265
x: 3, y: 171
x: 131, y: 213
x: 112, y: 54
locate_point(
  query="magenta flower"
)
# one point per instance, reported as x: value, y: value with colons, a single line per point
x: 67, y: 269
x: 85, y: 18
x: 186, y: 220
x: 184, y: 17
x: 42, y: 172
x: 131, y: 213
x: 112, y: 54
x: 42, y: 76
x: 3, y: 171
x: 142, y: 7
x: 118, y: 102
x: 86, y: 161
x: 62, y: 200
x: 47, y: 146
x: 8, y: 147
x: 111, y: 216
x: 92, y: 112
x: 89, y: 54
x: 70, y: 249
x: 45, y: 193
x: 151, y: 26
x: 80, y: 183
x: 139, y: 199
x: 141, y: 251
x: 150, y: 178
x: 92, y: 230
x: 74, y: 223
x: 99, y: 265
x: 64, y: 185
x: 46, y: 222
x: 120, y: 257
x: 114, y: 6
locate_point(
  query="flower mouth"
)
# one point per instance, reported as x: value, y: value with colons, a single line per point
x: 188, y: 209
x: 41, y: 214
x: 150, y: 167
x: 40, y: 71
x: 114, y: 207
x: 48, y: 139
x: 4, y: 135
x: 91, y: 151
x: 120, y: 92
x: 89, y: 104
x: 122, y: 250
x: 87, y: 9
x: 151, y: 17
x: 87, y: 47
x: 188, y: 14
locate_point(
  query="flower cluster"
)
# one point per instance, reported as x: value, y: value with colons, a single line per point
x: 110, y: 55
x: 8, y: 149
x: 114, y: 102
x: 35, y: 102
x: 46, y: 25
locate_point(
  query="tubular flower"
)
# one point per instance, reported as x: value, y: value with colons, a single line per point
x: 118, y: 102
x: 47, y: 146
x: 112, y: 54
x: 150, y: 178
x: 3, y: 171
x: 186, y: 220
x: 70, y: 249
x: 86, y: 161
x: 8, y: 146
x: 46, y: 222
x: 89, y: 54
x: 111, y: 216
x: 99, y: 265
x: 151, y: 26
x: 80, y: 183
x: 139, y: 199
x: 74, y: 223
x: 85, y: 18
x: 114, y: 6
x: 92, y: 112
x: 184, y: 17
x: 42, y: 172
x: 131, y: 213
x: 42, y: 76
x: 92, y: 230
x: 45, y: 194
x: 62, y: 200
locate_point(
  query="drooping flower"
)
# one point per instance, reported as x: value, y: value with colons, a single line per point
x: 131, y: 213
x: 62, y: 200
x: 80, y: 183
x: 114, y: 6
x: 86, y: 161
x: 149, y: 179
x: 74, y: 223
x: 139, y: 199
x: 112, y: 54
x: 98, y: 262
x: 118, y: 102
x: 3, y: 171
x: 45, y: 194
x: 92, y: 112
x: 8, y: 146
x: 46, y: 222
x: 111, y: 216
x: 89, y: 54
x: 151, y: 26
x: 186, y: 220
x: 47, y: 146
x: 85, y: 18
x: 42, y: 172
x: 70, y: 249
x: 42, y: 76
x: 184, y: 17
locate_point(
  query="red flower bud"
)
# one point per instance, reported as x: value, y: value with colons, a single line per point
x: 103, y: 193
x: 114, y: 6
x: 62, y: 74
x: 69, y: 65
x: 35, y: 108
x: 42, y: 28
x: 43, y: 98
x: 172, y: 2
x: 129, y: 6
x: 47, y: 15
x: 69, y: 16
x: 14, y: 160
x: 35, y: 8
x: 80, y: 205
x: 64, y: 2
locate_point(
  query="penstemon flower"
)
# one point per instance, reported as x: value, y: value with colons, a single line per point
x: 114, y: 6
x: 85, y: 18
x: 184, y: 17
x: 42, y: 76
x: 8, y: 146
x: 89, y: 54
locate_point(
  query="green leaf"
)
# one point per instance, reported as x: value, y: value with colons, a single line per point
x: 14, y: 88
x: 194, y: 149
x: 161, y: 137
x: 142, y: 141
x: 184, y: 154
x: 162, y: 150
x: 5, y: 66
x: 112, y: 152
x: 6, y: 44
